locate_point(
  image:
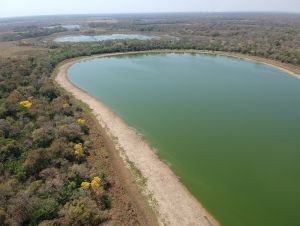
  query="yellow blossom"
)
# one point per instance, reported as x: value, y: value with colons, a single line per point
x: 85, y: 185
x: 78, y: 150
x: 81, y: 121
x: 96, y: 185
x: 66, y: 105
x: 96, y: 181
x: 25, y: 104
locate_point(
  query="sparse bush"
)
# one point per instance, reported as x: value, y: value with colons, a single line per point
x: 36, y: 161
x: 2, y: 216
x: 72, y: 132
x: 82, y: 211
x: 47, y: 210
x: 43, y: 137
x: 49, y: 91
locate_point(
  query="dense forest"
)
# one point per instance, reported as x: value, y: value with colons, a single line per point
x: 47, y: 177
x: 275, y: 36
x: 44, y: 145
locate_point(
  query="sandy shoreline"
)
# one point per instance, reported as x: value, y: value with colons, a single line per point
x: 174, y: 203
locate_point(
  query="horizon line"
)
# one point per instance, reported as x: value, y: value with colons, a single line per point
x: 137, y: 13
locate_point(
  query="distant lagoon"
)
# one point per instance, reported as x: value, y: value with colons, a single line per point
x: 98, y: 38
x: 69, y: 27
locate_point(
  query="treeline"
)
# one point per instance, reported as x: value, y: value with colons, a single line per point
x: 45, y: 175
x: 86, y: 49
x: 274, y: 36
x: 32, y: 32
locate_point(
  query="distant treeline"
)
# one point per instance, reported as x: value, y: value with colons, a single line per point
x: 274, y: 36
x: 31, y: 32
x: 292, y: 57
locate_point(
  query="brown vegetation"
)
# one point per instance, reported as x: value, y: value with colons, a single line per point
x: 47, y: 149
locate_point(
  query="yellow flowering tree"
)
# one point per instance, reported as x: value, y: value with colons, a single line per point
x: 25, y: 104
x: 84, y: 128
x: 81, y: 121
x: 78, y: 151
x: 85, y: 185
x: 97, y: 186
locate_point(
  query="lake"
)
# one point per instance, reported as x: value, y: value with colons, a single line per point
x: 229, y: 128
x: 99, y: 38
x: 69, y: 27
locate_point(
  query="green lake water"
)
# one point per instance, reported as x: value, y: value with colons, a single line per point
x: 229, y: 128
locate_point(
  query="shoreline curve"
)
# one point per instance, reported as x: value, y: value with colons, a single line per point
x: 174, y: 204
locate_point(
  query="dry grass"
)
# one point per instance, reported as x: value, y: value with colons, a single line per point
x: 11, y: 49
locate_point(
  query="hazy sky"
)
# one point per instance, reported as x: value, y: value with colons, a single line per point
x: 9, y: 8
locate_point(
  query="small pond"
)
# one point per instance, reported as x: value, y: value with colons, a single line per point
x: 98, y: 38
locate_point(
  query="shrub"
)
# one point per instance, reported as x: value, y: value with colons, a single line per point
x: 49, y: 91
x: 72, y: 132
x: 2, y: 216
x: 60, y: 148
x: 78, y: 151
x: 9, y: 149
x: 15, y: 167
x: 4, y: 128
x: 105, y: 201
x: 8, y: 189
x: 20, y: 208
x: 67, y: 191
x: 82, y: 211
x: 43, y: 137
x: 85, y: 129
x: 78, y: 173
x: 47, y: 210
x: 36, y: 161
